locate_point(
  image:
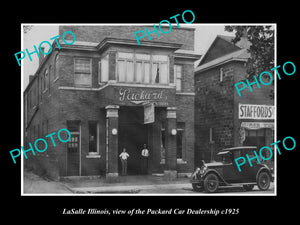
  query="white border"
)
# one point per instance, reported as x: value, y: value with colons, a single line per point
x: 149, y: 194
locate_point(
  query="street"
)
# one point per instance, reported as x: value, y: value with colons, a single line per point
x: 187, y: 189
x: 34, y: 184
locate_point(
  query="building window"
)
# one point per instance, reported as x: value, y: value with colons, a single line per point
x: 41, y: 87
x: 211, y: 135
x: 29, y: 100
x: 180, y: 140
x: 93, y: 137
x: 45, y: 80
x: 256, y: 138
x: 103, y: 70
x: 83, y: 72
x: 49, y: 80
x: 142, y: 68
x: 163, y: 145
x: 56, y: 67
x: 125, y: 67
x: 178, y: 77
x: 160, y: 69
x: 73, y: 126
x: 221, y: 74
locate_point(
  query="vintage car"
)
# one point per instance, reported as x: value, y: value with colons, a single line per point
x: 211, y: 176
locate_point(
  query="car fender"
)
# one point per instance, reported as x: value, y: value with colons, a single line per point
x: 266, y: 170
x: 210, y: 171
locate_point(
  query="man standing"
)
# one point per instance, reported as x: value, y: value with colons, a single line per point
x: 124, y: 156
x: 145, y: 156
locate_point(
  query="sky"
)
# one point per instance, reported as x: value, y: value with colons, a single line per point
x: 204, y: 36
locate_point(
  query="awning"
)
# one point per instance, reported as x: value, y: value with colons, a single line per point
x: 257, y: 125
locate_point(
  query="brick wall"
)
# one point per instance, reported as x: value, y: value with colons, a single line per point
x: 43, y: 122
x: 55, y: 106
x: 259, y: 96
x: 213, y: 110
x: 98, y: 33
x: 185, y: 113
x: 216, y: 107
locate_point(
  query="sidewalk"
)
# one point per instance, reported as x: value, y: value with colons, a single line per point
x: 34, y: 184
x: 126, y: 184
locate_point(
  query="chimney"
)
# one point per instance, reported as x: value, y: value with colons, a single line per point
x: 41, y: 55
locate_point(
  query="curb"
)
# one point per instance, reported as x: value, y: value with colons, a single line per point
x: 130, y: 189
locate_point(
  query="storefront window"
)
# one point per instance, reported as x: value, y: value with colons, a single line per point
x: 255, y: 137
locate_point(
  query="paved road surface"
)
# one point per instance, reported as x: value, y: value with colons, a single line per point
x: 34, y: 184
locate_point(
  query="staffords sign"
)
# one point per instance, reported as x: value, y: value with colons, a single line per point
x: 256, y: 112
x: 143, y: 96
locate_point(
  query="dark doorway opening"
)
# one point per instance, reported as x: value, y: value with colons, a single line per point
x: 133, y: 134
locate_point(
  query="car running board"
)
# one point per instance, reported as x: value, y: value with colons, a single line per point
x: 238, y: 184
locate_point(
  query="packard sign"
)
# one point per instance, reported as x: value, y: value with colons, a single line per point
x: 141, y: 97
x: 256, y: 112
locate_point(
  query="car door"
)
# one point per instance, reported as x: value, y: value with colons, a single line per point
x: 230, y: 171
x: 248, y: 171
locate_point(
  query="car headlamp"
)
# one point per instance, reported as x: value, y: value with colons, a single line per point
x: 202, y: 170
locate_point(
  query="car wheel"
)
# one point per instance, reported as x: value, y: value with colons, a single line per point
x: 211, y: 183
x: 248, y: 187
x: 197, y: 187
x: 263, y: 181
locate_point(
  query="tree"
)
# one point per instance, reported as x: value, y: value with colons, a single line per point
x: 27, y: 28
x: 261, y: 49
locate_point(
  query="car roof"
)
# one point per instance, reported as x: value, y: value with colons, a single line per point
x: 239, y: 148
x: 222, y: 152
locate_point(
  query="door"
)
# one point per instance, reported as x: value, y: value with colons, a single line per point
x: 133, y: 134
x: 73, y: 155
x: 132, y: 137
x: 230, y: 171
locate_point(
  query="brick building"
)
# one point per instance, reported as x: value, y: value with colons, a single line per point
x: 222, y: 118
x: 106, y: 89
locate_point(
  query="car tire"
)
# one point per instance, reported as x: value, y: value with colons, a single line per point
x: 248, y: 187
x: 197, y: 187
x: 211, y: 183
x: 263, y: 181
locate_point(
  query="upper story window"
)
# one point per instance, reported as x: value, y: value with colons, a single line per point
x: 178, y: 77
x: 103, y: 70
x: 56, y: 66
x: 142, y: 68
x: 45, y: 80
x: 221, y: 74
x: 83, y: 72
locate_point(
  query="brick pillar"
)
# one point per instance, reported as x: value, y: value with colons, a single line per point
x: 171, y: 146
x: 112, y: 114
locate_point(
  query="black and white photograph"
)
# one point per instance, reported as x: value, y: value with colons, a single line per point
x: 141, y: 109
x: 125, y: 112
